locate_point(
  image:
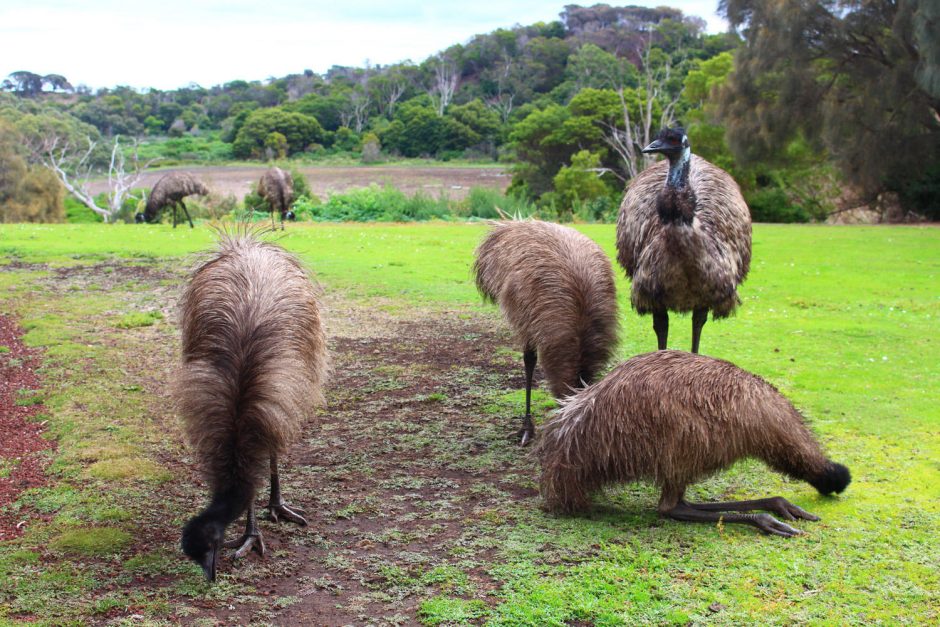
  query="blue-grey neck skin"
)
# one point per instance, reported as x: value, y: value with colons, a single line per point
x: 679, y: 169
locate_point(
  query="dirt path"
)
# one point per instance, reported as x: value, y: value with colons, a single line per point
x: 400, y: 477
x: 452, y: 182
x: 22, y: 447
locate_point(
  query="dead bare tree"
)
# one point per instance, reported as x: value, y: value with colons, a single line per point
x: 628, y: 140
x: 446, y: 79
x: 75, y: 169
x: 502, y: 101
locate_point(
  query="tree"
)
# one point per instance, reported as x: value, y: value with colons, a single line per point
x: 75, y: 169
x: 298, y: 129
x: 27, y: 193
x: 444, y: 80
x: 850, y: 77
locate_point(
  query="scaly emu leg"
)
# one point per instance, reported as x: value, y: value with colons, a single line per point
x: 273, y: 223
x: 251, y: 540
x: 277, y: 508
x: 174, y: 215
x: 699, y: 318
x: 527, y: 433
x: 776, y: 504
x: 764, y: 522
x: 186, y: 211
x: 661, y: 326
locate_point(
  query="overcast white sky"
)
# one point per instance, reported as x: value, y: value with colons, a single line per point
x: 170, y: 43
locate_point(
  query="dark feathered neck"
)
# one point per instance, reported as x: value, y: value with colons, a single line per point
x: 676, y: 202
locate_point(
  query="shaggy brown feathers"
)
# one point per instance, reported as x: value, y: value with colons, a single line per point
x: 169, y: 190
x: 673, y: 418
x: 555, y: 287
x: 679, y: 267
x: 254, y: 360
x: 277, y: 187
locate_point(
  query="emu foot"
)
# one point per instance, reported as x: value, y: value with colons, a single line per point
x: 281, y: 510
x: 776, y: 504
x: 770, y: 525
x: 248, y: 542
x: 765, y: 522
x: 525, y: 435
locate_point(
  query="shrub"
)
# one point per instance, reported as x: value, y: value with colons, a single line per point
x: 373, y: 203
x: 485, y: 202
x: 371, y: 148
x: 771, y: 204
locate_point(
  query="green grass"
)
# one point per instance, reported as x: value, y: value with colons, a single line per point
x: 842, y: 319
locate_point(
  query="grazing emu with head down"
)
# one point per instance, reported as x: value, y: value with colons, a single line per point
x: 254, y: 360
x: 555, y: 287
x: 277, y: 188
x: 673, y: 418
x: 684, y: 237
x: 170, y: 191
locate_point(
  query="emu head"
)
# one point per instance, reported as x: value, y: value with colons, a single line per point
x: 202, y: 543
x: 671, y: 142
x: 140, y: 218
x: 290, y: 215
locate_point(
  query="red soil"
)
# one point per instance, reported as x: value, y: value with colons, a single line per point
x: 21, y: 442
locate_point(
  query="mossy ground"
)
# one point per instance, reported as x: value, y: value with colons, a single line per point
x: 421, y: 508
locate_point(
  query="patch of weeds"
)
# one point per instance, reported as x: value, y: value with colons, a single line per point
x: 442, y: 610
x: 129, y: 468
x: 138, y: 319
x: 7, y: 466
x: 92, y: 541
x: 50, y: 500
x: 156, y: 563
x: 4, y: 349
x: 27, y: 398
x: 436, y: 397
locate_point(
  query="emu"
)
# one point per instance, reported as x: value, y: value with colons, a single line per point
x: 277, y: 188
x: 673, y: 418
x: 170, y: 191
x: 555, y: 288
x: 683, y: 237
x: 254, y: 361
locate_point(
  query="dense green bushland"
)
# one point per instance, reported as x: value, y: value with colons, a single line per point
x: 568, y: 104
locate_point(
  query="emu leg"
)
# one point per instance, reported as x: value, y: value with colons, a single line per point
x: 529, y: 357
x: 776, y: 504
x: 699, y: 318
x: 764, y: 522
x: 186, y: 211
x: 661, y: 326
x: 277, y: 508
x: 251, y: 540
x: 174, y: 215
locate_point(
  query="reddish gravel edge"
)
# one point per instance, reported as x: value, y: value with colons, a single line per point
x: 22, y: 457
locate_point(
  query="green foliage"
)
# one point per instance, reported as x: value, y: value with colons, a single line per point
x: 298, y: 130
x: 371, y: 148
x: 487, y: 203
x: 373, y: 203
x: 772, y: 205
x: 580, y: 182
x: 28, y: 193
x: 92, y: 541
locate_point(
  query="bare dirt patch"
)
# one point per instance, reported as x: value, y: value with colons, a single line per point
x: 453, y: 183
x: 22, y: 447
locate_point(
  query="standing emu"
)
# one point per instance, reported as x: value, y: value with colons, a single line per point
x: 170, y: 192
x: 555, y: 288
x: 254, y: 360
x: 277, y: 188
x: 684, y: 237
x: 672, y: 418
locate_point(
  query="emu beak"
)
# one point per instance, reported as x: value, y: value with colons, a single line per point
x: 656, y: 146
x: 209, y: 563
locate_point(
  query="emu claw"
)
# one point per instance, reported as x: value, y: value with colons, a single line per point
x: 769, y: 524
x: 277, y: 511
x: 525, y: 435
x: 788, y: 511
x: 248, y: 542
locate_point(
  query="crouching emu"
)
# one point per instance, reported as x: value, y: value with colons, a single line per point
x: 673, y: 418
x: 684, y: 237
x: 555, y: 287
x: 170, y: 191
x: 254, y: 360
x: 277, y: 188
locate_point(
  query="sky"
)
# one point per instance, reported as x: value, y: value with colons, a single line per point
x: 171, y: 43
